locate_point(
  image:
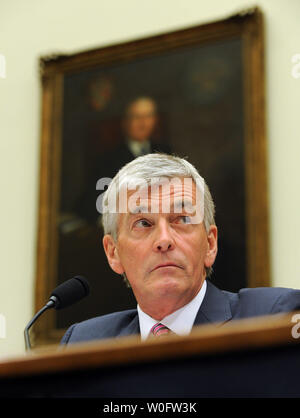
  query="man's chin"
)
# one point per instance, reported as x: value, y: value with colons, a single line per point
x: 167, y: 284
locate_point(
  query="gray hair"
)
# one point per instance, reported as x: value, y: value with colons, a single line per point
x: 146, y: 168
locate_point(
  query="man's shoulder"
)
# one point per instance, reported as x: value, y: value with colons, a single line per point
x: 100, y: 327
x: 263, y: 300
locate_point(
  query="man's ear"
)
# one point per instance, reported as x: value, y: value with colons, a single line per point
x: 212, y: 240
x: 112, y: 255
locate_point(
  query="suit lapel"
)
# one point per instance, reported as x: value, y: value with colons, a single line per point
x: 214, y: 308
x: 133, y: 326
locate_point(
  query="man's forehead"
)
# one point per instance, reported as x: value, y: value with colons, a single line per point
x: 182, y: 196
x: 141, y: 105
x: 173, y: 197
x: 167, y: 189
x: 178, y: 205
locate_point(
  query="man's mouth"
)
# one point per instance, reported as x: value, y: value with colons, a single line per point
x: 166, y: 265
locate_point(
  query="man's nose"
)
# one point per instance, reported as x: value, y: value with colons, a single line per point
x: 163, y: 240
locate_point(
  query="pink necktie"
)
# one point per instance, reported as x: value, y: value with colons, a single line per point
x: 159, y: 329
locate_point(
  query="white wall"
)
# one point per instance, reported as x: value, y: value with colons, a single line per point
x: 33, y: 28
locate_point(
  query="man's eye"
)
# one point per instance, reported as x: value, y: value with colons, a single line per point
x: 142, y: 223
x: 184, y: 219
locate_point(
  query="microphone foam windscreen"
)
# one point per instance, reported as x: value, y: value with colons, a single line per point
x: 71, y: 291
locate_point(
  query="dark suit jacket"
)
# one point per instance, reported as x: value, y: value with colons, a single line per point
x: 218, y: 307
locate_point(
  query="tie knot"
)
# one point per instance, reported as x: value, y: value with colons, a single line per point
x: 159, y: 329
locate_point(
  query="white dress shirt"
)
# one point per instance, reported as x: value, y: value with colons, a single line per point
x: 180, y: 321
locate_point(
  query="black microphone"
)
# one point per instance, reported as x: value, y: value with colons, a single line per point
x: 67, y: 293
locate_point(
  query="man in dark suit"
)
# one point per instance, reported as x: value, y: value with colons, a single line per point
x: 167, y: 254
x: 138, y: 125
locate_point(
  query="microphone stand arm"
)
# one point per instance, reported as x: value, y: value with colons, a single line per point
x: 51, y: 304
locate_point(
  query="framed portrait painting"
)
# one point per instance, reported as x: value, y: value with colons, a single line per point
x: 197, y: 93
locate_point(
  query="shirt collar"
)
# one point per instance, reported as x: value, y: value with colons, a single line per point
x: 138, y: 148
x: 180, y: 321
